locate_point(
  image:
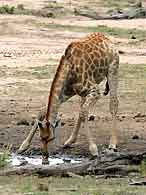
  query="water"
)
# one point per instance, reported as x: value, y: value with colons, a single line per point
x: 19, y: 160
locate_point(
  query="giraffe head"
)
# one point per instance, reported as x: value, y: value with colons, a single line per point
x: 47, y: 134
x: 47, y: 130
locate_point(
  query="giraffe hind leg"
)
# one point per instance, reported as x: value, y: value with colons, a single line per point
x: 91, y: 99
x: 107, y: 89
x: 113, y: 105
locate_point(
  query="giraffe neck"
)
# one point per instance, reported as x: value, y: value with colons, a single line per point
x: 56, y: 92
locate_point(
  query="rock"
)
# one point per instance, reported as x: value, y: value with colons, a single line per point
x: 91, y: 118
x: 135, y: 137
x: 7, y: 55
x: 139, y: 115
x: 138, y: 120
x: 3, y: 110
x: 121, y: 52
x: 133, y: 37
x: 11, y: 113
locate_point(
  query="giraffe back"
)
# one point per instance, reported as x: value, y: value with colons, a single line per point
x: 88, y: 60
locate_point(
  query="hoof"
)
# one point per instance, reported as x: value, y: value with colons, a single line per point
x: 66, y: 146
x: 111, y: 151
x: 94, y: 158
x: 93, y: 150
x: 45, y: 161
x: 24, y: 146
x: 113, y: 147
x: 68, y: 143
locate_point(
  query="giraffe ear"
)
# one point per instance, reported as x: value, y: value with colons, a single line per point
x: 40, y: 124
x: 56, y: 123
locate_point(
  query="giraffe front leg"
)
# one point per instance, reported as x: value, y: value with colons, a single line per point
x: 26, y: 143
x: 72, y: 139
x: 44, y: 148
x: 45, y: 134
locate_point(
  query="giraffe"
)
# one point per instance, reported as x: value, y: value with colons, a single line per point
x: 85, y: 63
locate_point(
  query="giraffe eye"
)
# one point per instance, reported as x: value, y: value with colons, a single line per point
x: 48, y: 124
x: 40, y: 124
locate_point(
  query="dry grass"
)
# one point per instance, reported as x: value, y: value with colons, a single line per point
x: 65, y: 186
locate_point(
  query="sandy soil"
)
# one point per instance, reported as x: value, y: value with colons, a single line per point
x: 29, y: 54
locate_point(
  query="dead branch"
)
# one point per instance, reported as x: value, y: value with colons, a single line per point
x: 94, y: 15
x: 46, y: 170
x: 65, y: 170
x: 138, y: 182
x: 138, y: 12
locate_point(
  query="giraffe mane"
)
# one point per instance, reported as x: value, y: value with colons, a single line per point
x: 50, y: 97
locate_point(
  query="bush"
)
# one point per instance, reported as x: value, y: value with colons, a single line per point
x: 4, y: 155
x: 6, y: 9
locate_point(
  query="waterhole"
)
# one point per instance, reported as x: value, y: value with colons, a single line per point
x: 19, y: 160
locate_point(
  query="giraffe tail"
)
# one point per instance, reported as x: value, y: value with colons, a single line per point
x: 107, y: 89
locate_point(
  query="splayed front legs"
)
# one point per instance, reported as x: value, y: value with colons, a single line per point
x: 26, y: 143
x: 113, y: 85
x: 72, y: 139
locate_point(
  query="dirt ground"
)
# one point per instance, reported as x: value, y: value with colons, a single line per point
x: 29, y: 53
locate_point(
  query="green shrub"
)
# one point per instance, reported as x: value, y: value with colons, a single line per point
x: 4, y: 155
x: 143, y: 167
x: 6, y: 9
